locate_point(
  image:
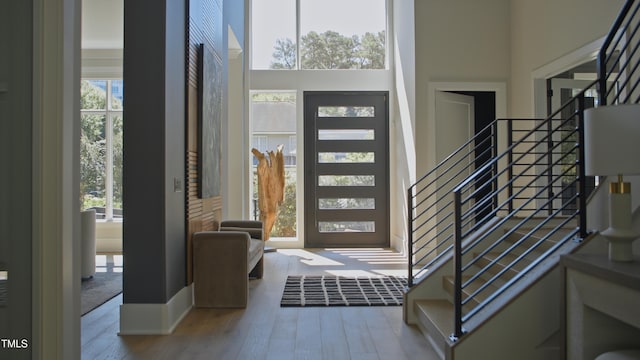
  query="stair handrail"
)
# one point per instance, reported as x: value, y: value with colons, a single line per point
x: 460, y: 249
x: 619, y: 41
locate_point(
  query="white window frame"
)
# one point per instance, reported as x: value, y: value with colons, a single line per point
x: 298, y: 66
x: 259, y: 142
x: 109, y: 113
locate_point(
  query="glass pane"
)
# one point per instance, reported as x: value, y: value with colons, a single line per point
x: 273, y: 34
x: 346, y: 111
x: 92, y: 160
x: 346, y: 226
x: 346, y: 134
x: 273, y: 119
x: 352, y: 37
x: 349, y: 157
x: 117, y: 166
x: 347, y: 203
x: 273, y: 122
x: 117, y: 94
x: 346, y: 180
x: 93, y: 95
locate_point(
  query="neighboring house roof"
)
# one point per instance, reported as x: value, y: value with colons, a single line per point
x: 273, y: 116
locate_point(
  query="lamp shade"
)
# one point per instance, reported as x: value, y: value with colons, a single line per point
x: 612, y: 140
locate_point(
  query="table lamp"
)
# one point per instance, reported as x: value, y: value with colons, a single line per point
x: 612, y: 148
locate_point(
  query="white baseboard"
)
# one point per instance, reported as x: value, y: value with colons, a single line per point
x: 399, y: 244
x: 155, y: 319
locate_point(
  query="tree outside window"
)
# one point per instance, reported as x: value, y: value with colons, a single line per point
x: 101, y: 147
x: 319, y: 37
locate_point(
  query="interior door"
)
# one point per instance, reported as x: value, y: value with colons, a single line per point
x: 346, y: 166
x: 455, y: 117
x: 454, y: 122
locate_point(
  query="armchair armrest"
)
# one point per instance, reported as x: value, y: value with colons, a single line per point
x: 230, y: 249
x: 253, y: 227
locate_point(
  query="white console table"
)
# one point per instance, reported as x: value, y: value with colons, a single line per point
x: 602, y: 305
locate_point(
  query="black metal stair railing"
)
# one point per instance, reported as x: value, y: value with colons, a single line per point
x: 430, y: 214
x: 552, y: 189
x: 618, y: 59
x: 431, y: 211
x: 543, y: 194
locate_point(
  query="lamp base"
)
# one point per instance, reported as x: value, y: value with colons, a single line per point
x: 620, y: 244
x: 620, y: 233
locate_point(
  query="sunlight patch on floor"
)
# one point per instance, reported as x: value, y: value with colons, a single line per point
x: 310, y: 258
x: 370, y: 273
x: 374, y: 256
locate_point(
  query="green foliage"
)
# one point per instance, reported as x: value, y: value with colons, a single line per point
x: 274, y: 97
x: 93, y: 149
x: 371, y: 51
x: 92, y: 155
x: 328, y: 50
x: 286, y: 221
x: 284, y: 54
x: 92, y: 97
x: 331, y: 50
x: 346, y: 111
x: 285, y: 225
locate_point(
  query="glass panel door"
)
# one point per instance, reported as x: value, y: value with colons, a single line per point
x: 346, y: 169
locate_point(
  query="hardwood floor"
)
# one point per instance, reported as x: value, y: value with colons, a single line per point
x: 264, y: 330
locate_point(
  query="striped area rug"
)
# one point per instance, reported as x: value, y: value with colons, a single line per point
x: 326, y: 290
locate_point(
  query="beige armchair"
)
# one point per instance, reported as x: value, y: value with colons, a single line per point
x: 223, y: 262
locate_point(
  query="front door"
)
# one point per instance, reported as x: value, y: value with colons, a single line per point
x: 346, y: 150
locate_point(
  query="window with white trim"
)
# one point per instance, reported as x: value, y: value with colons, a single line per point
x: 318, y: 34
x: 101, y: 108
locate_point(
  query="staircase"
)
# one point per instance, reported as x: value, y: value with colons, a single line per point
x: 487, y: 225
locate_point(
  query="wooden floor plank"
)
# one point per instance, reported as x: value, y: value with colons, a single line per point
x: 264, y: 330
x: 357, y: 333
x: 334, y: 339
x: 282, y: 340
x: 308, y: 341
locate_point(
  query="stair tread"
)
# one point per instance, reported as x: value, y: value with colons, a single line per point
x: 530, y: 241
x: 448, y: 285
x: 538, y: 234
x: 439, y: 312
x: 502, y: 263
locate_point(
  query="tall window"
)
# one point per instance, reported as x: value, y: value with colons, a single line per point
x: 333, y: 34
x: 273, y: 119
x: 101, y: 147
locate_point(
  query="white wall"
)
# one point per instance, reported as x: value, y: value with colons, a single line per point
x: 102, y: 24
x: 235, y: 204
x: 402, y: 127
x: 463, y: 40
x: 543, y: 31
x: 547, y: 36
